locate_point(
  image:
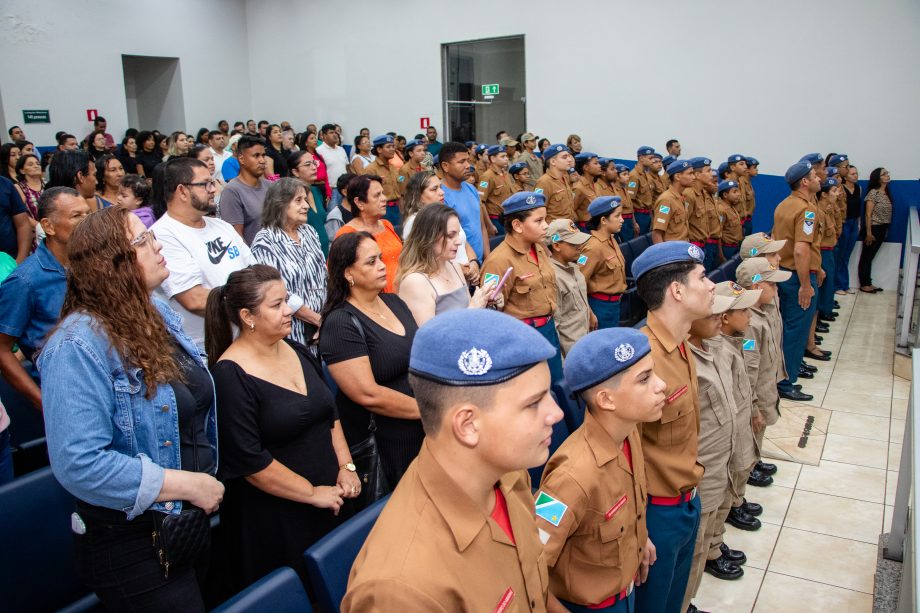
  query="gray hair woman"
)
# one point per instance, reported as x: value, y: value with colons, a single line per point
x: 287, y: 242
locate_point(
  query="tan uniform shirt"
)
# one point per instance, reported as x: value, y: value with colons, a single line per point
x: 827, y: 222
x: 388, y: 174
x: 747, y: 193
x: 626, y: 200
x: 670, y: 444
x: 713, y: 215
x: 603, y: 187
x: 605, y: 270
x: 531, y: 289
x: 585, y: 192
x: 595, y: 550
x: 432, y: 549
x: 745, y: 453
x: 572, y: 310
x: 494, y: 188
x: 744, y: 205
x: 717, y: 424
x: 671, y: 217
x: 640, y: 188
x: 776, y: 328
x: 405, y: 173
x: 762, y: 359
x: 534, y: 164
x: 732, y: 231
x: 560, y: 204
x: 795, y: 220
x: 699, y: 218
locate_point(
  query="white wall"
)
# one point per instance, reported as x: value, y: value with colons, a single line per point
x: 762, y: 78
x: 65, y: 55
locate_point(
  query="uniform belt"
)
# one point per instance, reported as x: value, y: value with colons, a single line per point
x: 393, y: 202
x: 622, y: 595
x: 697, y: 243
x: 729, y: 244
x: 493, y: 216
x: 827, y: 248
x: 748, y: 218
x: 813, y: 271
x: 712, y: 241
x: 665, y: 501
x: 606, y: 297
x: 627, y: 215
x: 538, y: 322
x: 646, y: 211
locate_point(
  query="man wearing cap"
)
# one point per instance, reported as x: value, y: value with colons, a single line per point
x: 670, y: 221
x: 640, y: 190
x: 464, y: 506
x: 604, y: 266
x: 573, y: 317
x: 384, y: 149
x: 588, y: 166
x: 670, y: 278
x: 702, y: 210
x: 496, y: 185
x: 794, y: 221
x: 520, y: 173
x: 731, y: 216
x: 527, y: 155
x: 415, y: 155
x: 817, y: 162
x: 555, y: 184
x: 737, y: 172
x: 591, y: 503
x: 620, y: 185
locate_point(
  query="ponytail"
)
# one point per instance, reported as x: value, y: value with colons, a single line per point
x: 218, y: 330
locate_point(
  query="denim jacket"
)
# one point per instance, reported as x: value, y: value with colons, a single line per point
x: 109, y: 444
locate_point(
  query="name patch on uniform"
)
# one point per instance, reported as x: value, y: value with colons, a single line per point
x: 809, y: 214
x: 539, y: 190
x: 749, y: 344
x: 549, y: 508
x: 660, y: 220
x: 632, y: 184
x: 582, y: 260
x: 677, y: 394
x: 613, y: 510
x: 664, y: 210
x: 484, y: 184
x: 502, y: 605
x: 527, y: 276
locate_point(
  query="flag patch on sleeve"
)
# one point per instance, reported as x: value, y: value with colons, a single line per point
x: 549, y: 508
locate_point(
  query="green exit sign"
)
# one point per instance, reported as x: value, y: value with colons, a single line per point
x: 33, y: 116
x: 490, y: 90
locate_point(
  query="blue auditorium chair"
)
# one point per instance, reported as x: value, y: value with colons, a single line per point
x: 730, y: 267
x: 495, y: 241
x: 279, y: 592
x: 329, y: 560
x: 561, y: 432
x: 717, y: 275
x: 573, y: 408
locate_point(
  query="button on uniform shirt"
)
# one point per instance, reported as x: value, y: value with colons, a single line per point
x: 530, y: 290
x: 405, y: 173
x: 732, y: 232
x: 699, y: 218
x: 494, y: 188
x: 605, y: 268
x: 560, y: 204
x: 640, y: 188
x: 670, y: 445
x: 533, y: 163
x: 671, y: 217
x: 744, y: 454
x: 794, y: 220
x: 595, y: 546
x: 572, y: 309
x: 717, y: 423
x: 762, y: 360
x: 585, y: 192
x: 432, y: 549
x: 388, y: 174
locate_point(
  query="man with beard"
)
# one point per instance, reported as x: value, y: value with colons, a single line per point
x: 200, y: 251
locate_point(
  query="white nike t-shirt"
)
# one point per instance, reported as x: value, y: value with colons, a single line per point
x: 198, y: 256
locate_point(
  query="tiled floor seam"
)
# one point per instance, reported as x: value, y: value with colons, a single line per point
x: 812, y: 581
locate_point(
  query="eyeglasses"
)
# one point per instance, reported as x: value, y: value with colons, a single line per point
x: 144, y: 238
x: 211, y: 184
x: 308, y: 163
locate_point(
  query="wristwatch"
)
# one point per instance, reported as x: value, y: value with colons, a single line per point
x: 349, y: 467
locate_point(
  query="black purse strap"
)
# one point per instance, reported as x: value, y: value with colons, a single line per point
x: 372, y: 423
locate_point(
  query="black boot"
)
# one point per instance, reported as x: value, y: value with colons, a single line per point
x: 720, y: 568
x: 758, y: 479
x: 751, y: 508
x: 765, y: 468
x: 734, y: 556
x: 741, y: 520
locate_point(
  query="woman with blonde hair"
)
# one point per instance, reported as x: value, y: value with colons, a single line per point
x: 177, y: 145
x: 573, y: 142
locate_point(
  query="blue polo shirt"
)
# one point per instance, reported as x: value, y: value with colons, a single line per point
x: 466, y: 202
x: 10, y: 205
x: 31, y: 299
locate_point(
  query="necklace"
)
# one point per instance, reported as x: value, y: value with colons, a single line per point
x: 368, y: 309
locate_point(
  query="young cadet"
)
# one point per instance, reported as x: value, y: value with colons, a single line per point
x: 730, y: 216
x: 717, y: 424
x: 753, y: 170
x: 827, y: 226
x: 671, y: 217
x: 482, y: 159
x: 415, y: 155
x: 520, y: 172
x: 640, y: 188
x: 528, y: 156
x: 604, y: 266
x: 737, y: 172
x: 496, y: 185
x: 660, y: 181
x: 591, y: 503
x: 464, y: 506
x: 701, y: 207
x: 630, y: 228
x: 589, y: 167
x: 794, y: 221
x: 555, y: 184
x: 384, y: 149
x: 530, y: 291
x: 608, y: 176
x: 573, y: 317
x: 670, y: 278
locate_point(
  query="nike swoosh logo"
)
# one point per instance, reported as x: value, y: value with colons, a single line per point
x: 215, y: 259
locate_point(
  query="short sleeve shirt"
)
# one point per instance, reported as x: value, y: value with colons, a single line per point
x: 795, y: 220
x: 466, y: 202
x: 531, y: 289
x: 31, y: 298
x: 604, y: 267
x: 494, y: 189
x: 670, y: 217
x: 881, y: 210
x: 10, y: 205
x: 242, y: 204
x: 560, y: 204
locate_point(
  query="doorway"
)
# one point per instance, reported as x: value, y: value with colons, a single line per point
x: 153, y: 93
x: 484, y: 88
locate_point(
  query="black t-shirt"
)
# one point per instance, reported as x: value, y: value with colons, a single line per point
x: 149, y: 160
x: 194, y: 396
x: 279, y: 159
x: 854, y: 202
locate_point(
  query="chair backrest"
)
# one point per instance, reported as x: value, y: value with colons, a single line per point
x: 495, y: 241
x: 730, y: 267
x: 717, y: 275
x: 36, y: 536
x: 329, y: 560
x: 280, y: 591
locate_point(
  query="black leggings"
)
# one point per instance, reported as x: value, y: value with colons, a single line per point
x: 879, y: 232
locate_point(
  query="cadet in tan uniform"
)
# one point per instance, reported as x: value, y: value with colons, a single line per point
x: 753, y: 170
x: 670, y: 278
x: 607, y: 178
x: 589, y: 167
x: 458, y: 533
x: 555, y: 184
x: 630, y: 228
x: 827, y: 225
x: 737, y: 172
x: 730, y: 216
x: 384, y: 148
x: 702, y: 211
x: 530, y: 291
x: 573, y: 317
x: 604, y: 266
x: 520, y: 172
x: 670, y: 219
x: 529, y: 157
x: 496, y: 185
x: 415, y: 155
x: 591, y: 502
x: 482, y: 160
x: 640, y: 188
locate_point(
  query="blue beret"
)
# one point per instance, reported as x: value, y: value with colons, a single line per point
x: 752, y: 161
x: 415, y: 142
x: 797, y: 171
x: 833, y: 171
x: 604, y: 161
x: 517, y: 167
x: 829, y: 184
x: 571, y: 171
x: 661, y: 254
x: 481, y: 148
x: 668, y: 160
x: 523, y: 201
x: 657, y: 155
x: 678, y: 166
x: 603, y: 205
x: 838, y: 158
x: 622, y: 168
x: 553, y: 150
x: 724, y: 186
x: 437, y: 158
x: 812, y: 158
x: 601, y: 354
x: 722, y: 168
x: 584, y: 156
x: 382, y: 140
x: 476, y: 347
x: 645, y: 150
x: 699, y: 162
x: 469, y: 143
x: 736, y: 157
x: 496, y: 149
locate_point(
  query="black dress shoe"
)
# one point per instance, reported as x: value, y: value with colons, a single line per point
x: 818, y: 339
x: 720, y: 568
x: 751, y: 508
x: 827, y: 317
x: 808, y: 367
x: 821, y: 356
x: 836, y: 304
x: 805, y: 374
x: 797, y: 387
x: 822, y: 328
x: 735, y: 556
x: 691, y: 608
x: 797, y: 395
x: 767, y: 469
x: 758, y: 479
x: 741, y: 520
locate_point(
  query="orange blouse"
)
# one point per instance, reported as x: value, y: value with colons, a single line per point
x: 390, y: 248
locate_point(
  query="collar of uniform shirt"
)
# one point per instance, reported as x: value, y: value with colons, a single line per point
x: 661, y: 333
x: 599, y: 440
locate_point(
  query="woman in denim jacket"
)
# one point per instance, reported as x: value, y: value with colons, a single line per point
x: 129, y: 416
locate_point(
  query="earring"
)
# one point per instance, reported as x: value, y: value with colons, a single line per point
x: 252, y: 327
x: 351, y: 282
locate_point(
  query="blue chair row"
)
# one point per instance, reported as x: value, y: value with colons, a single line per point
x: 726, y: 271
x: 279, y: 592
